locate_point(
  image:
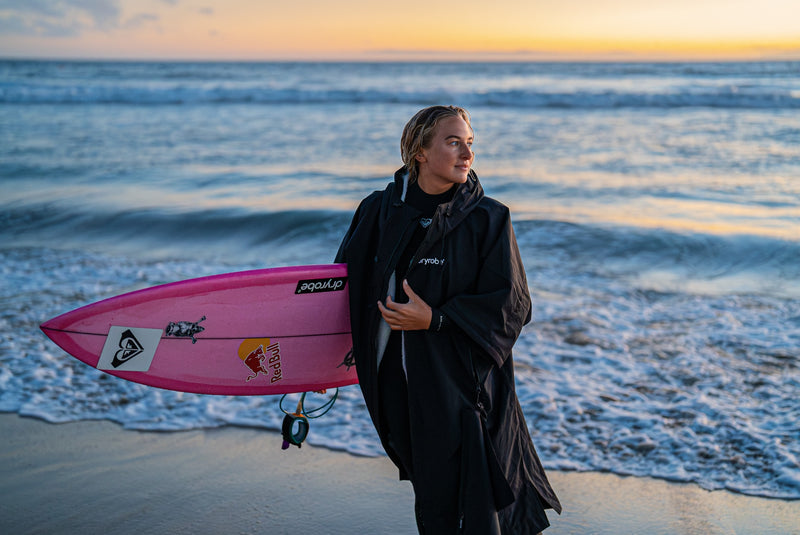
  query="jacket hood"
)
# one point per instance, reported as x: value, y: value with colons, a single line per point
x: 466, y: 198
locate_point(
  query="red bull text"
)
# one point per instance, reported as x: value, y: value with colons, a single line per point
x: 260, y: 356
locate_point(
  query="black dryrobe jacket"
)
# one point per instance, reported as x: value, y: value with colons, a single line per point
x: 462, y: 400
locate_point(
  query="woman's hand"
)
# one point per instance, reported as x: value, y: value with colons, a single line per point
x: 412, y: 316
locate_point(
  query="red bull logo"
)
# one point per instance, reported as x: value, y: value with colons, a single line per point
x: 261, y: 356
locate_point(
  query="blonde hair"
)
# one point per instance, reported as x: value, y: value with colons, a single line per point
x: 419, y: 130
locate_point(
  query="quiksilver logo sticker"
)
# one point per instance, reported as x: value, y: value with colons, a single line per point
x: 333, y: 284
x: 129, y: 349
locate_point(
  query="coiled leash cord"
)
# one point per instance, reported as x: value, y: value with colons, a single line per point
x: 295, y: 424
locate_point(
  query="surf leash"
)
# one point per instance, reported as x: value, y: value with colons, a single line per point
x: 295, y: 424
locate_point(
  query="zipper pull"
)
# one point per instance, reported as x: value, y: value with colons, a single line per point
x: 478, y: 402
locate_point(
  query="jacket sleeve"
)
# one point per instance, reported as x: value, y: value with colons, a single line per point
x: 341, y: 254
x: 359, y: 217
x: 493, y: 314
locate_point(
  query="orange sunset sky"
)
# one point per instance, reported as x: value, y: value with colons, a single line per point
x: 405, y: 30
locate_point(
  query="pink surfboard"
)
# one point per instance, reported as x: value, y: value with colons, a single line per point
x: 268, y: 331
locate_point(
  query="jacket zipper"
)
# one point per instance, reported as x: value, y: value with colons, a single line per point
x: 478, y: 383
x: 421, y: 247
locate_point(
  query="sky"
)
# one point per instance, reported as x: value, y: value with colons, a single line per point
x: 406, y: 30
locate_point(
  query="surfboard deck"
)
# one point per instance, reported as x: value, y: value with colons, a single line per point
x: 260, y: 332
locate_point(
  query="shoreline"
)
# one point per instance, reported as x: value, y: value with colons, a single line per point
x: 95, y: 477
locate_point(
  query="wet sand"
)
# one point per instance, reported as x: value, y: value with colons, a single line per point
x: 95, y: 477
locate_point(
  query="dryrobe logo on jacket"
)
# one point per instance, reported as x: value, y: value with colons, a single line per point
x: 312, y: 286
x: 129, y: 349
x: 431, y: 261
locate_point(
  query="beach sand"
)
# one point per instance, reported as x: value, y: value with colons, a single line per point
x: 95, y: 477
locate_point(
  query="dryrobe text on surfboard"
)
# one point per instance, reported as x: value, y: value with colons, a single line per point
x: 333, y: 284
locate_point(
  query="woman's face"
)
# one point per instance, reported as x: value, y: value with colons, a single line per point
x: 448, y: 159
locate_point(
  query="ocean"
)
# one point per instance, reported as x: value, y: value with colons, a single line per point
x: 656, y: 206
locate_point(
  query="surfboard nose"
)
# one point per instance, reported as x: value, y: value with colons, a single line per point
x: 49, y: 326
x: 58, y: 330
x: 57, y: 323
x: 52, y: 328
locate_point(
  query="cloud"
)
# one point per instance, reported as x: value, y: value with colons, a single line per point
x: 17, y: 24
x: 140, y: 20
x: 64, y: 18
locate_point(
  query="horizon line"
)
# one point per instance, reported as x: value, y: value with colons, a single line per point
x: 370, y: 59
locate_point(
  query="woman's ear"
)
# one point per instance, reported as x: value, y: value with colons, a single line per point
x: 420, y: 157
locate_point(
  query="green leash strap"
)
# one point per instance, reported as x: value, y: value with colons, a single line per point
x: 295, y: 424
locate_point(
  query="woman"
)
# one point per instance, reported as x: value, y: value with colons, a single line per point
x: 438, y: 296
